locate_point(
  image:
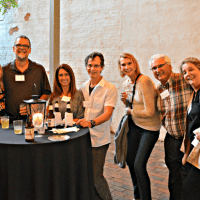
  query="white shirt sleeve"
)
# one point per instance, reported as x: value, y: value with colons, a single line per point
x: 111, y: 97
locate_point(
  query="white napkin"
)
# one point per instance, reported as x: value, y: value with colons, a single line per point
x: 64, y: 130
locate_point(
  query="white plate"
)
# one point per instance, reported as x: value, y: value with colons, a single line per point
x: 58, y: 137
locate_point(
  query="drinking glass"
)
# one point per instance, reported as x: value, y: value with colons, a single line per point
x: 128, y: 89
x: 5, y: 122
x: 17, y: 126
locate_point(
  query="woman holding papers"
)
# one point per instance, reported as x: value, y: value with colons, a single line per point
x: 190, y: 67
x: 64, y: 90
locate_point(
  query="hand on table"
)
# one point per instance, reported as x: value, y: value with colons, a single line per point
x: 84, y: 123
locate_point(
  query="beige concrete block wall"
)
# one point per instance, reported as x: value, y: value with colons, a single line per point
x: 31, y: 18
x: 143, y: 28
x: 88, y: 26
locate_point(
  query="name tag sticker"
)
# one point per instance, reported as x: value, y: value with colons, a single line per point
x: 87, y: 104
x: 65, y: 98
x: 164, y: 94
x: 19, y: 78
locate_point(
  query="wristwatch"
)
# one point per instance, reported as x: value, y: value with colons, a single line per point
x: 93, y: 123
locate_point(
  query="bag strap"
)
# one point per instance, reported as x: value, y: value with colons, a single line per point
x: 134, y: 90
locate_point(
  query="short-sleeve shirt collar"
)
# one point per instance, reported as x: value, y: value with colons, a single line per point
x: 101, y: 83
x: 14, y: 68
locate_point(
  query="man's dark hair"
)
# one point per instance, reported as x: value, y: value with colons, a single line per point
x: 93, y: 56
x: 23, y: 36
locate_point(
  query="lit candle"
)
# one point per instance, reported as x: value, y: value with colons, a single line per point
x: 38, y: 119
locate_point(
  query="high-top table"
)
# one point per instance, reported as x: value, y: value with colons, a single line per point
x: 46, y: 170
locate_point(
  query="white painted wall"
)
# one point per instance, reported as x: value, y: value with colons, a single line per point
x: 36, y: 29
x: 88, y: 26
x: 140, y: 27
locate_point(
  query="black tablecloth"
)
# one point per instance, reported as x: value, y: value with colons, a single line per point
x: 45, y: 170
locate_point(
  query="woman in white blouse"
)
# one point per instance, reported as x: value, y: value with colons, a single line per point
x: 144, y: 123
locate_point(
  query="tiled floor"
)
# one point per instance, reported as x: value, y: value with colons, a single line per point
x: 120, y: 182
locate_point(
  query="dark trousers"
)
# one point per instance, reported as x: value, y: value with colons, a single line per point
x: 100, y: 183
x: 140, y: 146
x: 185, y: 171
x: 173, y: 160
x: 191, y: 185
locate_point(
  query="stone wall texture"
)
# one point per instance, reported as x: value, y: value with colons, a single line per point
x: 140, y: 27
x: 31, y: 18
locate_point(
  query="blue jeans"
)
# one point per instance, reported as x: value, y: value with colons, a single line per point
x: 173, y: 160
x: 140, y: 146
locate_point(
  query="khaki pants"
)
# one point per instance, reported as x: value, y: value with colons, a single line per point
x: 100, y: 183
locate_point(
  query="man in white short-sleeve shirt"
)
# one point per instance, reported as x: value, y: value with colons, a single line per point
x: 100, y: 99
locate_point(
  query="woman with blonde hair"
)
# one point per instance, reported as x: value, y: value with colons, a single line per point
x: 144, y: 123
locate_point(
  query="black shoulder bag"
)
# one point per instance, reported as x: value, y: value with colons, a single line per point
x: 128, y: 103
